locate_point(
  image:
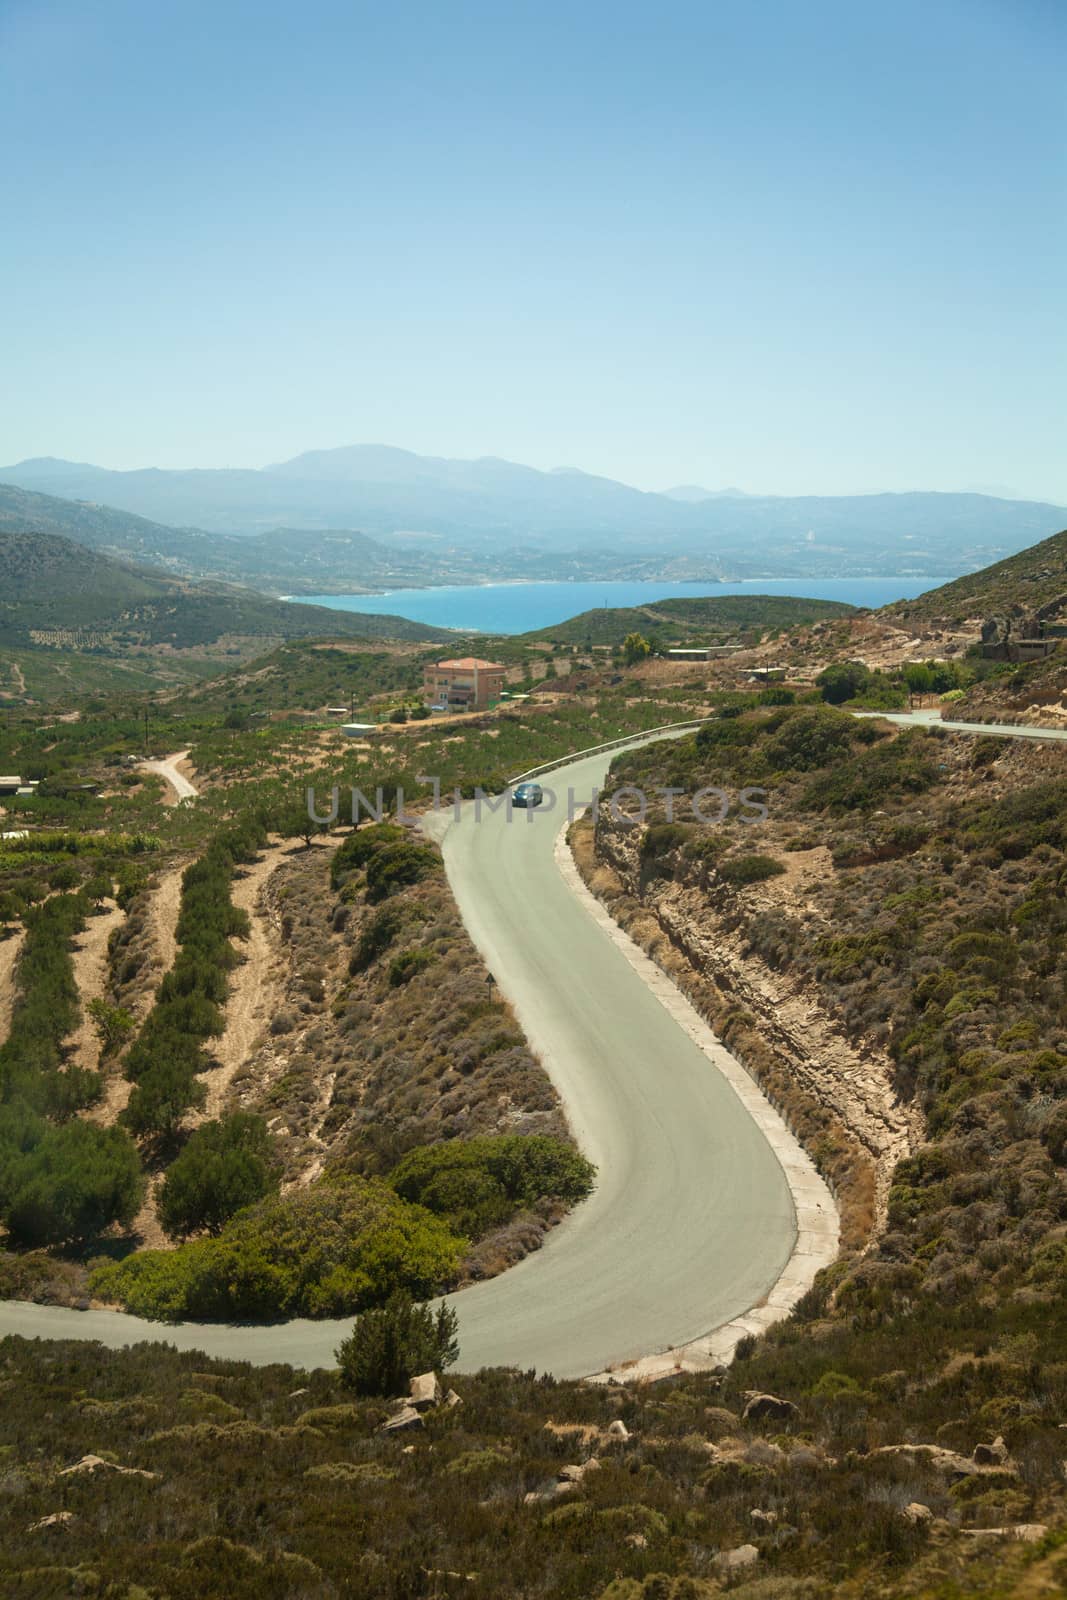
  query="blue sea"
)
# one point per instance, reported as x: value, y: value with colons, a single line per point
x: 520, y: 607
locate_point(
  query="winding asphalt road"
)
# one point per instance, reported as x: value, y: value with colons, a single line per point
x: 691, y: 1221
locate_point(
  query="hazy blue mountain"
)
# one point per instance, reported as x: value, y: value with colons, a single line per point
x: 498, y: 516
x: 693, y: 494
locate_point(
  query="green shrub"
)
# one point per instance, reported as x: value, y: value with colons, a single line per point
x: 407, y: 965
x: 741, y: 870
x: 389, y: 1345
x: 398, y: 865
x: 809, y: 737
x: 317, y: 1252
x: 159, y: 1101
x: 375, y: 938
x: 112, y: 1024
x: 663, y: 837
x: 477, y: 1184
x: 842, y: 680
x: 361, y: 845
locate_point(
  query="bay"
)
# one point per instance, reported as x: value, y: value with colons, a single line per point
x: 520, y: 607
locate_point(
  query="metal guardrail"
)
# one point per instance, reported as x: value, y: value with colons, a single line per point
x: 612, y: 744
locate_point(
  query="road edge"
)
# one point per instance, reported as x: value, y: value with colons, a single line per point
x: 815, y: 1210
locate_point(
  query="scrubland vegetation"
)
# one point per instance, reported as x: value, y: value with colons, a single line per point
x: 272, y: 1482
x: 932, y: 932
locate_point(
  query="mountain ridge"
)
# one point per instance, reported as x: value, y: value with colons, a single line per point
x: 491, y: 509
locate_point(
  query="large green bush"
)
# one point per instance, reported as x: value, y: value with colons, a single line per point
x: 317, y: 1252
x: 71, y: 1184
x: 813, y: 736
x: 355, y: 851
x: 477, y: 1184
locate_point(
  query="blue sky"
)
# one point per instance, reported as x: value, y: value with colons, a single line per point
x: 794, y: 247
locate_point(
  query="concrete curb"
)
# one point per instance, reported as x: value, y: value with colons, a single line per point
x: 817, y: 1220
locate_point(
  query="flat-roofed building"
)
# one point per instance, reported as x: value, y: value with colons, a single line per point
x: 466, y: 684
x: 701, y: 652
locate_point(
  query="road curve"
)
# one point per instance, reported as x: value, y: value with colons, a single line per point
x: 692, y: 1220
x: 934, y: 719
x: 168, y: 769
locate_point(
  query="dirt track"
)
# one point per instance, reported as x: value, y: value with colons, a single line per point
x: 9, y: 954
x: 256, y: 985
x: 89, y: 958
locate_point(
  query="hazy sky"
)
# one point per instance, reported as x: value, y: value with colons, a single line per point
x: 790, y: 246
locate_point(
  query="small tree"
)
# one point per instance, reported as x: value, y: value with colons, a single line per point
x: 226, y: 1166
x: 112, y: 1024
x: 635, y: 647
x: 390, y: 1344
x: 161, y: 1098
x: 297, y: 823
x: 841, y: 681
x: 918, y: 678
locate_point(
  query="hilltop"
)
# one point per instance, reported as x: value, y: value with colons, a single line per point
x: 74, y: 620
x: 692, y: 620
x: 1020, y: 583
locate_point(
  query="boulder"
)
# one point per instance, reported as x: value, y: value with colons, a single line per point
x: 424, y: 1392
x: 57, y: 1519
x: 1026, y: 1532
x: 93, y: 1464
x: 745, y: 1555
x: 917, y: 1513
x: 767, y: 1408
x: 618, y: 1430
x: 990, y: 1455
x: 576, y: 1474
x: 766, y: 1519
x: 406, y: 1417
x: 451, y: 1400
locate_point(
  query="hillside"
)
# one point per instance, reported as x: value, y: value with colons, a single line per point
x: 288, y: 559
x: 510, y: 516
x: 79, y: 606
x: 692, y: 621
x: 1020, y: 583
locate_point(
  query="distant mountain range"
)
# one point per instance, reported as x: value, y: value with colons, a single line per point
x: 456, y: 520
